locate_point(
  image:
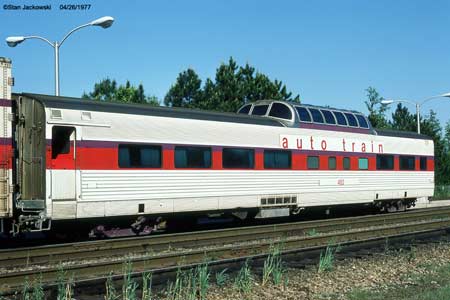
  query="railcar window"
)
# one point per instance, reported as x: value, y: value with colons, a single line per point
x: 277, y: 159
x: 234, y: 158
x: 329, y: 119
x: 280, y: 110
x: 313, y: 162
x: 139, y: 156
x: 423, y: 163
x: 346, y: 163
x: 303, y: 114
x: 362, y: 121
x: 245, y: 109
x: 407, y: 162
x: 385, y: 162
x: 363, y: 163
x: 192, y: 157
x: 61, y: 140
x: 340, y: 118
x: 316, y: 115
x: 351, y: 120
x: 332, y: 162
x: 260, y: 110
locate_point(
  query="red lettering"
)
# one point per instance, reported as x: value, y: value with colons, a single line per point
x: 312, y: 147
x: 299, y: 143
x: 363, y: 147
x: 323, y: 144
x: 380, y: 148
x: 343, y: 144
x: 353, y: 147
x: 284, y: 143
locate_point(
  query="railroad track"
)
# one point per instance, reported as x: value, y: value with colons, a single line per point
x: 87, y: 260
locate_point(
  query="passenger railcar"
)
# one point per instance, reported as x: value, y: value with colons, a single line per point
x: 79, y: 160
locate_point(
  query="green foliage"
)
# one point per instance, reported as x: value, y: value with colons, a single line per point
x: 312, y: 232
x: 108, y: 90
x: 222, y: 278
x: 431, y: 285
x: 65, y: 285
x: 26, y: 290
x: 376, y: 110
x: 203, y: 275
x: 273, y: 267
x: 244, y: 279
x: 185, y: 91
x: 111, y: 293
x: 232, y: 87
x: 38, y: 289
x: 441, y: 192
x: 129, y: 286
x: 190, y: 284
x: 402, y: 119
x: 147, y: 286
x: 326, y: 261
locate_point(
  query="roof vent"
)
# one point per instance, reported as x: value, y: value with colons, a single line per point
x: 85, y: 115
x: 56, y: 114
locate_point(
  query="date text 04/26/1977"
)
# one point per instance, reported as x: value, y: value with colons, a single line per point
x: 75, y: 7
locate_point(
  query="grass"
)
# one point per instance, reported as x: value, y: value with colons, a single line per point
x: 327, y: 258
x: 312, y: 232
x: 191, y: 284
x: 147, y: 286
x: 222, y: 278
x: 244, y: 279
x: 432, y: 286
x: 273, y: 267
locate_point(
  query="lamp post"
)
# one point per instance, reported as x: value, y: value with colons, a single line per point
x: 13, y: 41
x: 417, y: 104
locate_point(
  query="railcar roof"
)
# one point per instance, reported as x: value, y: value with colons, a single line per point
x: 143, y: 109
x: 403, y: 134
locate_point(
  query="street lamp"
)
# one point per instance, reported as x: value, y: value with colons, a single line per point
x: 13, y: 41
x: 417, y: 104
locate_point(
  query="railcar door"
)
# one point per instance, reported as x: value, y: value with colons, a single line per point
x: 63, y: 158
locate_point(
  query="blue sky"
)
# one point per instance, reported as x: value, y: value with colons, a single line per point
x: 329, y: 52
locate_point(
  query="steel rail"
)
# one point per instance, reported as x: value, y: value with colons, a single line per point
x: 92, y: 271
x: 96, y: 249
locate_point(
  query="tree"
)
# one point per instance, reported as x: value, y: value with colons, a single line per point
x: 402, y: 119
x: 107, y: 90
x: 104, y: 90
x: 376, y: 109
x: 233, y: 86
x: 185, y: 91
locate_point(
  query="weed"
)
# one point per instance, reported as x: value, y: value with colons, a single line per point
x: 147, y: 286
x: 111, y: 293
x: 222, y: 277
x: 387, y: 247
x: 273, y: 267
x: 412, y: 254
x: 175, y: 289
x: 327, y: 259
x: 26, y: 290
x: 203, y: 275
x: 312, y: 232
x: 38, y: 290
x: 129, y: 286
x: 244, y: 279
x: 65, y: 285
